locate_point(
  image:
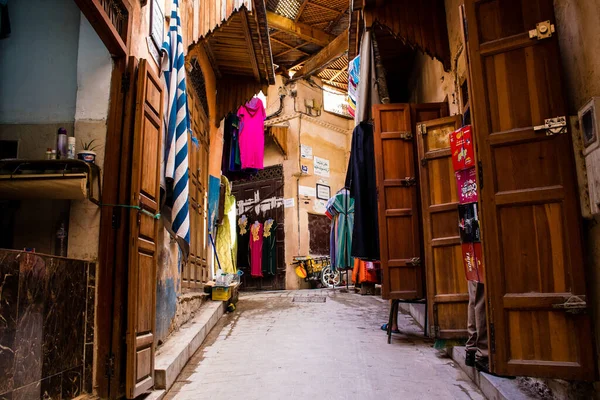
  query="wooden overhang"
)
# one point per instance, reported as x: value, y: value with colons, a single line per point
x: 419, y: 24
x: 239, y: 52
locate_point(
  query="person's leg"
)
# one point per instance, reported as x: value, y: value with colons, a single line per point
x: 395, y: 317
x: 471, y: 345
x: 481, y: 323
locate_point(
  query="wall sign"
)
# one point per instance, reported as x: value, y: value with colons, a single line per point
x: 323, y: 192
x: 306, y: 151
x: 321, y: 166
x: 307, y: 191
x: 157, y: 24
x: 304, y: 169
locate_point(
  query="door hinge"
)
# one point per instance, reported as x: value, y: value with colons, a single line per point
x: 408, y: 181
x: 492, y: 338
x: 125, y: 82
x: 110, y: 366
x: 553, y: 126
x: 422, y: 129
x: 543, y: 30
x: 423, y: 162
x: 480, y: 174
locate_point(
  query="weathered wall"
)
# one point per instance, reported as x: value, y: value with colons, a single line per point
x: 429, y: 82
x: 578, y: 27
x: 328, y: 135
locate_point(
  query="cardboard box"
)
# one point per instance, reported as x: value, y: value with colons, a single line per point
x: 466, y: 184
x: 473, y: 261
x: 461, y: 148
x: 468, y: 223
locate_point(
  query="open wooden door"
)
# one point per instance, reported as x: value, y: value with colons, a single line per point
x: 447, y: 292
x: 145, y: 192
x: 538, y: 315
x: 399, y: 235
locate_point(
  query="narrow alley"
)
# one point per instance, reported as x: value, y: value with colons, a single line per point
x: 317, y: 345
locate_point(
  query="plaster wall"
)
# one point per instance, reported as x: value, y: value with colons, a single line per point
x: 328, y: 135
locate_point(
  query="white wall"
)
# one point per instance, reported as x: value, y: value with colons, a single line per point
x: 94, y: 67
x: 37, y: 62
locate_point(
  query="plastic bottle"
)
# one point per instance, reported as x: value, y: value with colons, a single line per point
x: 61, y: 144
x: 71, y: 148
x: 48, y: 153
x: 53, y: 155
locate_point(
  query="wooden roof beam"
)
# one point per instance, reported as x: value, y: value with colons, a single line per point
x: 303, y: 31
x: 301, y: 10
x: 329, y: 53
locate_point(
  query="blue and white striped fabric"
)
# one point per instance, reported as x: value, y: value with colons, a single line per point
x: 177, y: 124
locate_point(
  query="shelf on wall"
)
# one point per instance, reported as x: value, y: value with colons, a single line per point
x: 49, y: 179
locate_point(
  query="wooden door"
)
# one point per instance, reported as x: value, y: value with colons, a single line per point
x: 447, y: 292
x: 531, y: 229
x: 145, y: 192
x: 399, y: 235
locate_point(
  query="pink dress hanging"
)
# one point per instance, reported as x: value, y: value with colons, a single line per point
x: 252, y: 134
x: 256, y: 243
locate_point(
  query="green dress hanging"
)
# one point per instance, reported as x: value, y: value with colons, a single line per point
x: 226, y: 235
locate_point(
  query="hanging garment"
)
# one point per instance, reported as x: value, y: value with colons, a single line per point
x: 252, y: 134
x: 361, y: 180
x: 256, y: 243
x: 269, y: 256
x: 364, y: 272
x: 342, y: 209
x: 226, y: 233
x: 243, y: 243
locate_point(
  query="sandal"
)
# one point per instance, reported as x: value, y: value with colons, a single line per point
x: 384, y: 327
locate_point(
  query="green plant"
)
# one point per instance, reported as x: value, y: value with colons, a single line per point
x: 88, y: 146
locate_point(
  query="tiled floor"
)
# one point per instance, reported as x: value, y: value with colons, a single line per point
x: 275, y: 348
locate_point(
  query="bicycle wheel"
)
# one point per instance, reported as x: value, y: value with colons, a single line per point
x: 330, y: 278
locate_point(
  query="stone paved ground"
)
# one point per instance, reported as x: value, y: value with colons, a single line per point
x: 274, y: 348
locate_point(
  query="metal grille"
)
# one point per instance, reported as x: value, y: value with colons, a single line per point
x: 311, y: 299
x: 273, y: 172
x: 199, y: 84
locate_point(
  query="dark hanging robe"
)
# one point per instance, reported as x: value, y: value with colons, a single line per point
x: 243, y: 243
x: 269, y: 257
x: 361, y: 181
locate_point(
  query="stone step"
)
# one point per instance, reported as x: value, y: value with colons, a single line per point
x: 174, y: 354
x: 492, y: 387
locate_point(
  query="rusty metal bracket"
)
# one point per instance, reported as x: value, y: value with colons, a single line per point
x: 573, y: 305
x: 408, y: 181
x: 553, y: 126
x: 414, y: 262
x: 543, y: 30
x: 407, y: 135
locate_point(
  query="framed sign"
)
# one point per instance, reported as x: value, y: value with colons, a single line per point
x: 323, y: 192
x: 157, y: 24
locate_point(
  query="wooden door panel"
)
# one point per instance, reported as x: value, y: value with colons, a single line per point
x: 399, y: 235
x: 447, y: 290
x: 530, y: 222
x: 145, y: 192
